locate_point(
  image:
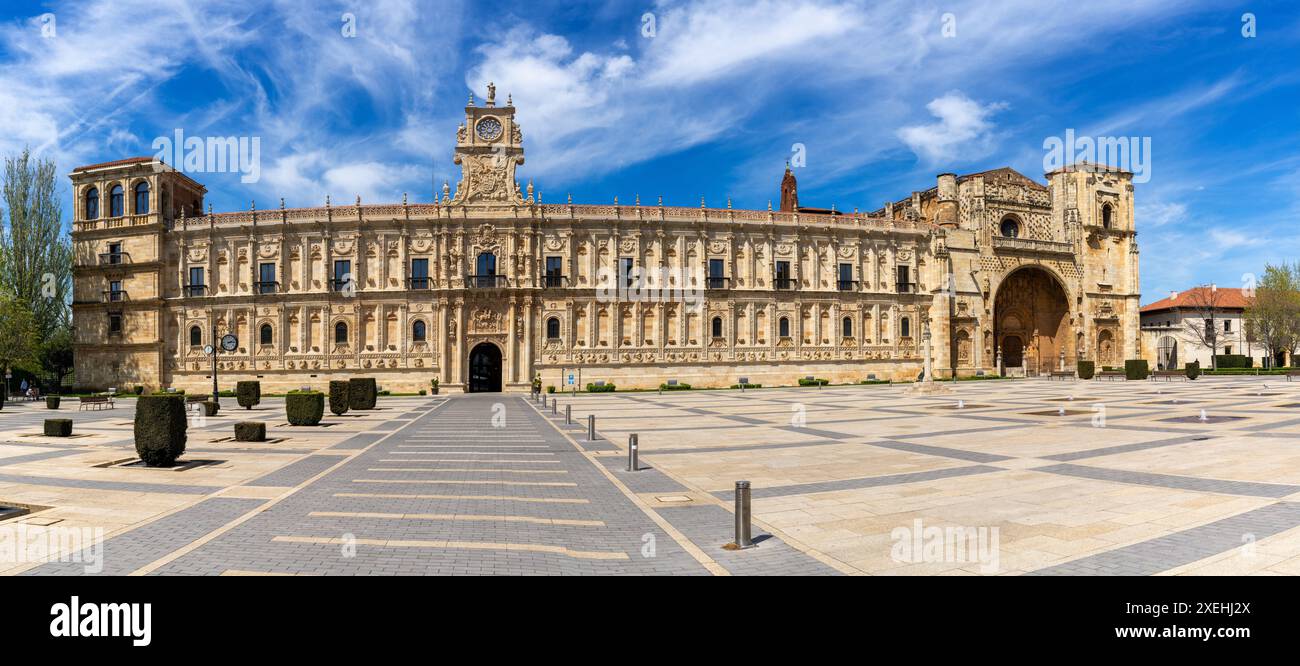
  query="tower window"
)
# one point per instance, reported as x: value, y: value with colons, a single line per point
x: 265, y: 335
x: 142, y: 198
x: 196, y: 336
x: 717, y: 327
x: 341, y: 333
x: 116, y: 201
x: 905, y: 328
x: 417, y: 331
x: 846, y: 327
x: 1106, y: 215
x: 92, y: 204
x: 783, y: 327
x: 553, y: 328
x: 1010, y: 227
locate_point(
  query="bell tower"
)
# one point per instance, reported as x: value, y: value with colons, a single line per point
x: 489, y: 146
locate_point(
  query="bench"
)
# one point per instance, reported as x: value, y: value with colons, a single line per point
x: 1292, y: 373
x: 1062, y: 375
x: 1111, y: 374
x: 1167, y: 375
x: 96, y: 402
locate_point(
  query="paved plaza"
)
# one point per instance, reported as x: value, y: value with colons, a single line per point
x: 1005, y: 477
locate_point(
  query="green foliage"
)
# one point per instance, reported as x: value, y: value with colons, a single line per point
x: 250, y: 431
x: 679, y: 386
x: 1193, y: 369
x: 248, y: 393
x: 804, y: 381
x: 139, y: 390
x: 1136, y: 369
x: 18, y: 333
x: 54, y: 353
x: 748, y: 386
x: 362, y: 393
x: 58, y: 427
x: 1086, y: 369
x: 35, y: 254
x: 1228, y: 361
x: 304, y: 408
x: 160, y: 426
x: 550, y: 389
x: 603, y: 388
x: 339, y: 396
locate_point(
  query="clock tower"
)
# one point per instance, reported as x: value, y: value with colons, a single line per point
x: 489, y: 146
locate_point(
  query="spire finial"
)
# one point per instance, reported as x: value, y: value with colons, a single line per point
x: 661, y: 201
x: 570, y: 200
x: 471, y: 98
x: 252, y: 204
x: 281, y: 203
x: 510, y: 101
x: 327, y: 201
x: 702, y: 202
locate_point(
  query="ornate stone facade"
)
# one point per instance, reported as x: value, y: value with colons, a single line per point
x: 491, y: 281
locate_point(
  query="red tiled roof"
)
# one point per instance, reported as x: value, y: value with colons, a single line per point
x: 129, y: 160
x: 1224, y: 299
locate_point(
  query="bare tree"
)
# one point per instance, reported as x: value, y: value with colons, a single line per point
x: 1204, y: 304
x: 1273, y: 313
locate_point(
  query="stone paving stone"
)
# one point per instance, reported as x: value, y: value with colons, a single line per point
x: 124, y: 486
x: 1250, y: 488
x: 32, y: 457
x: 1174, y: 550
x: 867, y: 482
x: 943, y: 452
x: 645, y: 480
x: 1126, y: 448
x: 711, y: 527
x: 296, y: 472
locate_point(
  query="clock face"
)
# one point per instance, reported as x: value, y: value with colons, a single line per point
x: 488, y: 129
x: 229, y: 343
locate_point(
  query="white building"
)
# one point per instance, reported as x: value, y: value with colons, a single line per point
x: 1167, y: 335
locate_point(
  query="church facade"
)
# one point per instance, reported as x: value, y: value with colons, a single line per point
x: 489, y: 286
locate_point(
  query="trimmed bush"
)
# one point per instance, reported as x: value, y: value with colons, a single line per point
x: 250, y: 431
x: 339, y: 396
x: 248, y: 393
x: 747, y: 385
x: 433, y: 386
x: 160, y: 426
x: 1086, y: 369
x: 675, y: 387
x: 1136, y: 368
x: 51, y: 402
x: 210, y: 408
x: 1224, y: 361
x: 58, y: 427
x: 550, y: 389
x: 805, y: 381
x: 362, y: 393
x: 1193, y: 369
x: 304, y: 408
x: 139, y: 390
x: 601, y: 388
x: 423, y: 392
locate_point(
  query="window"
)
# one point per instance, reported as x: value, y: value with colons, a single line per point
x: 92, y: 204
x: 114, y: 324
x: 555, y: 271
x: 141, y: 199
x: 115, y: 290
x: 625, y: 265
x: 783, y: 328
x: 846, y: 327
x: 1227, y: 351
x: 341, y: 333
x: 114, y: 253
x: 116, y: 201
x: 195, y: 287
x: 717, y: 278
x: 782, y: 280
x: 264, y: 335
x: 1209, y: 329
x: 1227, y: 325
x: 266, y: 279
x: 846, y: 277
x: 1106, y: 216
x: 342, y: 276
x: 417, y: 331
x: 553, y: 328
x: 196, y: 336
x: 717, y: 327
x: 1010, y: 227
x: 904, y: 282
x: 419, y: 273
x: 905, y: 328
x: 485, y: 270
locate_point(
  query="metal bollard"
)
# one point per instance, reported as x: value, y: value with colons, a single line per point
x: 742, y: 515
x: 555, y: 405
x: 632, y: 464
x: 591, y: 427
x: 568, y: 415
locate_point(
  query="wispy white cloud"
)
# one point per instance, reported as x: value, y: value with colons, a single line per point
x: 963, y: 131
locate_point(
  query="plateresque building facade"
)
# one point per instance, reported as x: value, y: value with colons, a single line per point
x: 489, y: 286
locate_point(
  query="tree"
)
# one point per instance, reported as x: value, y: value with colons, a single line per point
x: 17, y: 335
x: 1203, y: 325
x: 55, y: 354
x: 1273, y: 314
x: 35, y: 254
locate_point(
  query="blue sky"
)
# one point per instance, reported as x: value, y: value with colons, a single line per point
x: 707, y: 104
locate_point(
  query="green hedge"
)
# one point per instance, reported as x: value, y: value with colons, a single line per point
x: 603, y: 388
x: 210, y: 408
x: 51, y: 402
x: 675, y: 387
x: 362, y: 393
x: 250, y: 431
x: 304, y: 408
x: 1225, y: 361
x: 1193, y: 369
x: 58, y: 427
x: 339, y: 396
x: 139, y: 390
x: 804, y: 381
x: 748, y: 386
x: 160, y: 426
x: 1136, y: 368
x: 248, y: 393
x: 1086, y: 369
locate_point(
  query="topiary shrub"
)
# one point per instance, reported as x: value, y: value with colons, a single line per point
x: 1193, y: 369
x: 248, y: 393
x: 339, y: 390
x: 807, y: 381
x: 58, y: 427
x: 362, y: 393
x: 433, y: 386
x: 675, y: 387
x: 550, y: 389
x: 51, y: 402
x: 1136, y: 368
x: 746, y: 385
x: 1223, y: 361
x: 304, y: 408
x: 160, y: 426
x: 139, y: 390
x: 1086, y: 369
x: 600, y: 388
x: 250, y: 431
x: 210, y: 408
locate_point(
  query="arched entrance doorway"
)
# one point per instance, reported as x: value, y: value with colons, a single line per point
x: 1031, y: 319
x: 484, y: 369
x: 1167, y: 353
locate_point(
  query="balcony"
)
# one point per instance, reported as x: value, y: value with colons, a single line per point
x: 421, y: 282
x: 783, y: 284
x: 261, y: 287
x: 905, y: 287
x: 114, y: 258
x: 846, y: 285
x: 717, y: 282
x: 1004, y: 243
x: 114, y: 295
x: 555, y: 281
x: 194, y: 290
x: 485, y: 281
x: 338, y: 284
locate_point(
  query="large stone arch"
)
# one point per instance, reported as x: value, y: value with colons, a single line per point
x: 1032, y: 315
